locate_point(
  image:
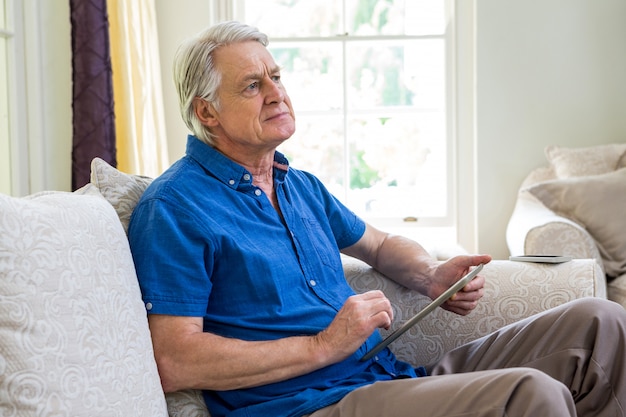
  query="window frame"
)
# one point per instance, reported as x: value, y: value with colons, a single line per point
x: 444, y: 228
x: 32, y: 140
x: 23, y: 125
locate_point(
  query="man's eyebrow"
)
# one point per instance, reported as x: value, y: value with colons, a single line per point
x: 253, y: 76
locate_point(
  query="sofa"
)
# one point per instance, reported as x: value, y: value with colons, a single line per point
x: 74, y: 336
x: 576, y: 205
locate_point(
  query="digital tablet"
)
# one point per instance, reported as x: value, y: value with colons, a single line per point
x: 548, y: 259
x: 424, y: 312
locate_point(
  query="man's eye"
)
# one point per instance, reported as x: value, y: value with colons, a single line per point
x: 253, y: 86
x: 276, y: 78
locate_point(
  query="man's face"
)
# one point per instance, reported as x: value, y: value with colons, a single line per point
x: 255, y: 109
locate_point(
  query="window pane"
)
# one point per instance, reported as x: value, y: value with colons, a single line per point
x: 395, y: 17
x: 296, y: 18
x: 309, y: 18
x: 425, y: 17
x: 398, y: 165
x: 396, y: 73
x: 318, y: 147
x: 312, y: 74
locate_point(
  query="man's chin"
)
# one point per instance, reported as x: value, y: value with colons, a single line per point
x: 280, y: 140
x: 284, y: 134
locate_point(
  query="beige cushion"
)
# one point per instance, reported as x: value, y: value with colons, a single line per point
x: 592, y: 160
x: 121, y: 190
x: 74, y: 339
x: 598, y: 203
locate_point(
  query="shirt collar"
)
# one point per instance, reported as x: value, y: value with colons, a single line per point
x: 224, y: 169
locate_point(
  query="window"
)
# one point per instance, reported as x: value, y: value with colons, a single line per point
x: 369, y: 83
x: 5, y: 134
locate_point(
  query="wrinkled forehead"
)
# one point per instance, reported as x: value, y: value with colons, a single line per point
x: 244, y: 60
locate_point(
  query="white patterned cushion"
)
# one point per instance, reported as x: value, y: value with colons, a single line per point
x: 74, y: 338
x: 121, y: 190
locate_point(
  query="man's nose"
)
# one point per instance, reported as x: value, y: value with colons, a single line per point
x: 274, y: 92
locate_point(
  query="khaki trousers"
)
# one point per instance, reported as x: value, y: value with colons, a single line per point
x: 568, y: 361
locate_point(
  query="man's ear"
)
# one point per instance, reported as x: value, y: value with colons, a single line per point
x: 205, y: 112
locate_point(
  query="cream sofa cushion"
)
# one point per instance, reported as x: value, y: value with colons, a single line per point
x: 598, y: 203
x: 74, y: 339
x: 592, y: 160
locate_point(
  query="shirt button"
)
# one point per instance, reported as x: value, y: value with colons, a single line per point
x: 246, y: 177
x: 231, y: 182
x: 313, y: 283
x: 258, y: 192
x: 148, y: 306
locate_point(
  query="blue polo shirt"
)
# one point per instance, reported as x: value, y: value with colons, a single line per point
x: 207, y: 243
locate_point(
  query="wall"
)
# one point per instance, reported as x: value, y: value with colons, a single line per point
x: 191, y: 19
x: 547, y: 72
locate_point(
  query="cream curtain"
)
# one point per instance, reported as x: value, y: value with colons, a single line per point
x: 139, y: 115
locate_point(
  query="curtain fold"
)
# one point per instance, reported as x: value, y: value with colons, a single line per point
x: 139, y: 112
x: 92, y: 90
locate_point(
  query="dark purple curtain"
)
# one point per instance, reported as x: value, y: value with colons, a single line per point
x: 92, y: 89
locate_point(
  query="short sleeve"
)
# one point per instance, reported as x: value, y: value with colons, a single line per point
x: 172, y: 254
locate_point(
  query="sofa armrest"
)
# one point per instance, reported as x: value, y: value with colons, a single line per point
x: 513, y: 290
x: 534, y: 229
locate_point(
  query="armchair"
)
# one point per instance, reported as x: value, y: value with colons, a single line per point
x: 579, y: 213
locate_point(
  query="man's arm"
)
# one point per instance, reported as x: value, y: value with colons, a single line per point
x: 187, y: 357
x: 409, y: 264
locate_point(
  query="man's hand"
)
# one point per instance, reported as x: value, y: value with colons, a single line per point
x: 360, y: 316
x: 447, y: 273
